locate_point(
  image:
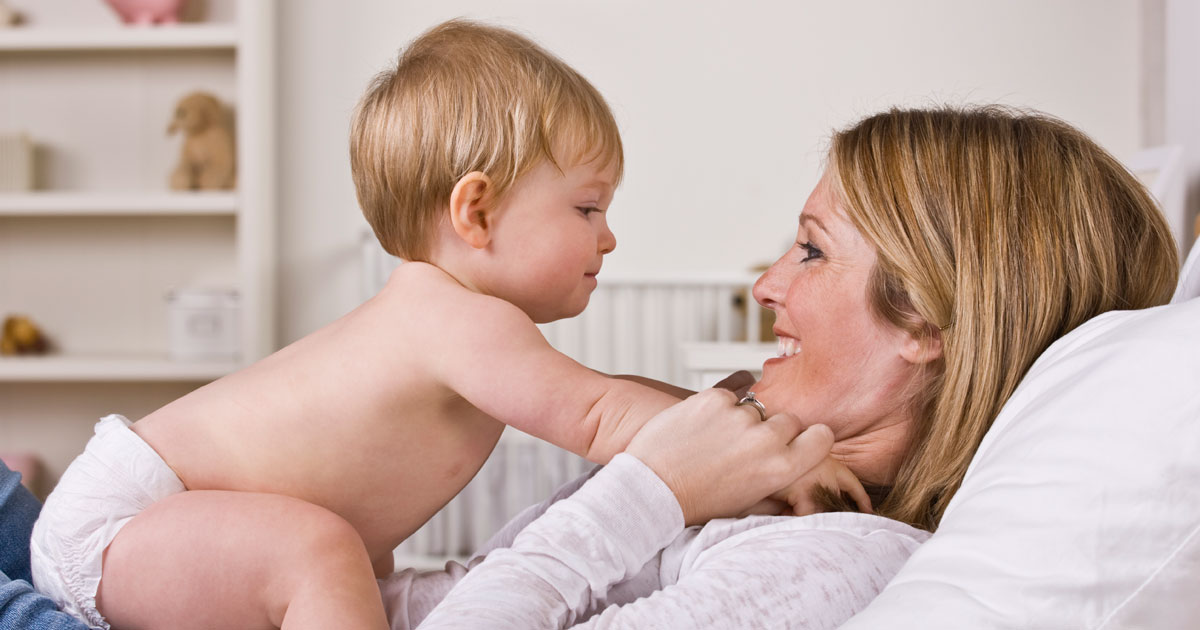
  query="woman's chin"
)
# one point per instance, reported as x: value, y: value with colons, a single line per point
x: 778, y: 383
x: 773, y: 370
x: 762, y: 389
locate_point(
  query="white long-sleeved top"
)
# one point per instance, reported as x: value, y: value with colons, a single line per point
x: 613, y: 553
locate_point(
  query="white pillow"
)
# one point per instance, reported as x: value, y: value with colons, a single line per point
x: 1189, y: 276
x: 1082, y: 507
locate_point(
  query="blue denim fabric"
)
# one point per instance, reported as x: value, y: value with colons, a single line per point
x: 18, y: 510
x: 22, y: 608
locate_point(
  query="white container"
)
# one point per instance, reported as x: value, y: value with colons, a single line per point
x: 203, y: 324
x: 16, y: 163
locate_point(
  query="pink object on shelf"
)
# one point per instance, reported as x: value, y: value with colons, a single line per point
x: 147, y: 12
x: 28, y: 465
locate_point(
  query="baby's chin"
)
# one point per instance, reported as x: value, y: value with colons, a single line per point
x: 547, y: 316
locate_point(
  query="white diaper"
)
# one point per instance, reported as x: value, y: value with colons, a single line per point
x: 117, y: 476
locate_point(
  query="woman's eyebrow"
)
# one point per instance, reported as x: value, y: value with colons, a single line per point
x: 812, y: 219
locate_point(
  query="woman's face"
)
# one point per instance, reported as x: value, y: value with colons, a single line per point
x: 838, y: 364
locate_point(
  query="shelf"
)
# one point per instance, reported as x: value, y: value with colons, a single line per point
x: 75, y: 204
x: 110, y: 369
x: 154, y: 38
x: 714, y: 355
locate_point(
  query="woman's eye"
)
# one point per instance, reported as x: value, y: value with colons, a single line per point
x: 811, y: 252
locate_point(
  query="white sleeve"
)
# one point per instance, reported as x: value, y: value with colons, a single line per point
x: 771, y: 578
x: 508, y: 533
x: 409, y: 594
x: 563, y: 563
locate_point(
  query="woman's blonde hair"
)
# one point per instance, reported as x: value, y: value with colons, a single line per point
x: 467, y: 97
x: 1000, y: 231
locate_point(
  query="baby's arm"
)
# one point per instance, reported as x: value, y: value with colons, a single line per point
x: 499, y: 361
x: 738, y: 383
x: 666, y: 388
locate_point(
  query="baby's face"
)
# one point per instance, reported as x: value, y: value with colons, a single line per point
x: 550, y: 236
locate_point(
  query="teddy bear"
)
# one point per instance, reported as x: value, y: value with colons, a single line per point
x: 206, y: 161
x: 8, y: 16
x: 22, y: 336
x: 146, y: 12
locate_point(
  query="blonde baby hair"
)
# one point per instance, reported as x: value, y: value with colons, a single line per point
x: 466, y: 97
x: 998, y: 231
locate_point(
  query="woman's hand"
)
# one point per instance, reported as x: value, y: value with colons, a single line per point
x: 720, y: 460
x: 832, y: 474
x: 800, y: 498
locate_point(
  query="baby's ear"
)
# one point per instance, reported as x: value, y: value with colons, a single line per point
x: 472, y: 209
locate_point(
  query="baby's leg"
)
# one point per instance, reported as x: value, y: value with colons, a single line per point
x: 210, y: 559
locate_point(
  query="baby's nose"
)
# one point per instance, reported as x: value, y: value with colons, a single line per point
x: 608, y: 241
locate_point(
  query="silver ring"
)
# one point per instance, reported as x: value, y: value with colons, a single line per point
x: 749, y: 399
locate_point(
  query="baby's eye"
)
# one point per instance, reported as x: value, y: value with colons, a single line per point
x: 811, y: 252
x: 586, y: 210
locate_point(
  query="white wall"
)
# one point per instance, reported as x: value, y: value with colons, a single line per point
x: 724, y: 106
x: 1181, y: 89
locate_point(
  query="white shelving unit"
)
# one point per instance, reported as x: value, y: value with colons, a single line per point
x: 93, y: 251
x: 82, y: 39
x: 68, y: 204
x: 111, y: 368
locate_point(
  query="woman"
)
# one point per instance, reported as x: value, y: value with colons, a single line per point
x: 940, y: 254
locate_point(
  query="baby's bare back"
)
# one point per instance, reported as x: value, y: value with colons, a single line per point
x: 349, y: 418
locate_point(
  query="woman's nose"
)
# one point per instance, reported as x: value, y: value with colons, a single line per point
x: 770, y: 287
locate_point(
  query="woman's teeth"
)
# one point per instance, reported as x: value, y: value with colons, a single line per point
x: 787, y: 347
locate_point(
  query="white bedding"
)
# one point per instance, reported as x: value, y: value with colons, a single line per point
x: 1082, y: 507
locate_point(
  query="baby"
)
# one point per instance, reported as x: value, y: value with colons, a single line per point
x: 275, y: 496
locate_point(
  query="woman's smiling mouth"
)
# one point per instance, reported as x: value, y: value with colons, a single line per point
x: 787, y: 347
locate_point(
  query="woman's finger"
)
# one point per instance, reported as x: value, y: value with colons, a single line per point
x: 767, y: 507
x: 721, y: 395
x: 849, y: 483
x: 718, y: 461
x: 810, y: 447
x: 786, y: 426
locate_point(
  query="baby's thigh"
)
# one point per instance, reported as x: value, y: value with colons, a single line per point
x: 215, y: 559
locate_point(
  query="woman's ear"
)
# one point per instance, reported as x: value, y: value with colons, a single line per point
x: 472, y: 209
x: 922, y: 347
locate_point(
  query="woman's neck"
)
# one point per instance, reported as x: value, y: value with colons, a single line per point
x: 875, y: 456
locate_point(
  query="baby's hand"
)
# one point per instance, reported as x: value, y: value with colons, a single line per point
x: 830, y: 474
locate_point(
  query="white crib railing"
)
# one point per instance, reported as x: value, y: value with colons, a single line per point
x: 633, y: 325
x: 638, y: 325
